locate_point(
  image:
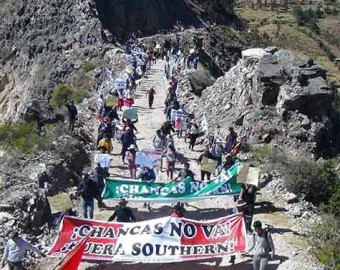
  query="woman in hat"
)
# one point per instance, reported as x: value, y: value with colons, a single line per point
x: 131, y: 161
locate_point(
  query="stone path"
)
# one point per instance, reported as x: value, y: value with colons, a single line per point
x: 289, y: 247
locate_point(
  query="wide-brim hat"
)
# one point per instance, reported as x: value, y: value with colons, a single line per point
x: 122, y: 201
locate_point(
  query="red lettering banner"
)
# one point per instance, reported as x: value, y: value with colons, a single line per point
x: 161, y: 240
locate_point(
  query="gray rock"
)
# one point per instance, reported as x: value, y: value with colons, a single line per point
x: 290, y: 198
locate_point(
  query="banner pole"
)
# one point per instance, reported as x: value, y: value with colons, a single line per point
x: 80, y: 242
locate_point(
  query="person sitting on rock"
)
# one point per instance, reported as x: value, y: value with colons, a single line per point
x: 123, y: 213
x: 15, y: 250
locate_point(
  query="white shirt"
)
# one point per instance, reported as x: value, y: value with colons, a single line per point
x: 103, y: 159
x: 15, y: 250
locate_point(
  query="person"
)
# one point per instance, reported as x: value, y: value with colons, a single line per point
x: 248, y: 196
x: 131, y: 161
x: 209, y: 141
x: 186, y: 172
x: 129, y: 101
x: 217, y: 152
x: 151, y: 95
x: 72, y: 115
x: 127, y: 139
x: 230, y: 140
x: 88, y: 190
x: 103, y: 159
x: 170, y: 157
x: 129, y: 124
x: 167, y: 128
x: 106, y: 144
x: 262, y: 246
x: 100, y: 104
x: 146, y: 174
x: 169, y: 139
x: 178, y: 211
x: 15, y: 250
x: 123, y: 213
x: 113, y: 114
x: 228, y: 163
x: 159, y: 140
x: 121, y: 97
x: 208, y: 155
x: 193, y: 135
x: 99, y: 175
x: 180, y: 123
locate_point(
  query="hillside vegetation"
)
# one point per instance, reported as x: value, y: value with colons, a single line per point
x: 310, y: 31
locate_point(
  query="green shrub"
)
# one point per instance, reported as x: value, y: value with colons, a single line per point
x: 62, y: 94
x: 261, y: 152
x: 79, y: 95
x: 317, y: 183
x: 307, y: 17
x: 25, y: 138
x: 89, y: 66
x: 325, y: 242
x: 245, y: 147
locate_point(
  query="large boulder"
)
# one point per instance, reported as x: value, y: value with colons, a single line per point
x: 274, y: 98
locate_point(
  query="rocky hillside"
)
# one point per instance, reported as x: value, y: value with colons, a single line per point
x: 276, y: 98
x: 44, y: 43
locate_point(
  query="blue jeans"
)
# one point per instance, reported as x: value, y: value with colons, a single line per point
x: 88, y: 205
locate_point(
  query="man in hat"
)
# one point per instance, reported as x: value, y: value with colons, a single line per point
x: 123, y: 213
x: 15, y: 250
x: 262, y: 246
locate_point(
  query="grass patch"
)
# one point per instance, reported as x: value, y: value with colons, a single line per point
x: 62, y: 94
x: 89, y: 66
x: 261, y: 152
x: 325, y: 242
x: 25, y: 138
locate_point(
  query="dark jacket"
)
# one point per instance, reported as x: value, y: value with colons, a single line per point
x: 123, y: 215
x: 88, y: 190
x: 72, y: 112
x: 206, y: 155
x: 127, y: 139
x: 113, y: 114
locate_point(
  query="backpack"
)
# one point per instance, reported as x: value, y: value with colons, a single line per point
x: 217, y: 150
x: 266, y: 231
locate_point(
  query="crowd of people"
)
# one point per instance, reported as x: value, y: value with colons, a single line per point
x: 178, y: 123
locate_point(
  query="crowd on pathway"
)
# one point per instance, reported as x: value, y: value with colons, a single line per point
x: 116, y: 128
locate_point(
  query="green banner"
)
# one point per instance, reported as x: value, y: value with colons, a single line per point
x: 184, y: 191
